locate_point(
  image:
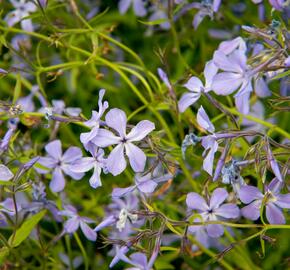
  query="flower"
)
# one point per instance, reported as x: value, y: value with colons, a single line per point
x: 143, y: 183
x: 119, y: 212
x: 196, y: 87
x: 206, y: 8
x: 75, y: 221
x: 208, y: 142
x: 22, y: 10
x: 116, y: 163
x: 96, y: 162
x: 272, y: 199
x: 213, y: 210
x: 94, y: 122
x: 138, y: 6
x: 60, y: 163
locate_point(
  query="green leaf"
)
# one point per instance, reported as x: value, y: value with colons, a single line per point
x: 171, y: 228
x: 7, y: 183
x: 17, y: 89
x: 281, y: 75
x: 155, y: 22
x: 169, y: 249
x: 24, y: 231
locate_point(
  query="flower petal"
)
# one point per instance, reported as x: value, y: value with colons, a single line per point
x: 274, y: 214
x: 147, y: 186
x: 139, y: 8
x: 215, y: 230
x: 54, y: 149
x: 71, y: 154
x: 137, y: 158
x: 248, y: 194
x: 203, y: 120
x: 210, y: 71
x: 57, y: 182
x: 105, y: 138
x: 117, y: 120
x: 140, y: 131
x: 196, y: 202
x: 194, y: 84
x: 71, y: 225
x: 228, y: 210
x: 83, y: 165
x: 283, y: 200
x: 116, y: 162
x: 225, y: 83
x: 110, y: 220
x: 120, y: 192
x: 95, y: 180
x: 218, y: 196
x: 252, y: 211
x: 186, y: 100
x: 5, y: 173
x: 88, y: 232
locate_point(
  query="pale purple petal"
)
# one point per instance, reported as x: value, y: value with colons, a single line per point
x: 54, y: 149
x: 88, y: 136
x: 203, y: 120
x: 26, y: 24
x: 210, y: 71
x: 110, y: 220
x: 124, y: 6
x: 243, y: 103
x: 225, y: 63
x: 120, y: 192
x: 228, y: 210
x: 196, y: 202
x: 57, y: 182
x: 229, y: 46
x: 225, y: 83
x: 216, y: 5
x: 139, y: 8
x: 218, y: 196
x: 140, y: 131
x: 215, y: 230
x: 83, y: 165
x: 209, y: 159
x: 274, y: 214
x: 137, y: 158
x: 116, y: 162
x: 105, y: 138
x: 5, y: 173
x: 261, y: 88
x: 88, y: 232
x: 71, y: 225
x: 147, y: 186
x: 248, y: 194
x: 186, y: 100
x: 283, y: 200
x: 95, y: 180
x: 117, y: 120
x: 198, y: 18
x: 120, y: 255
x: 139, y: 259
x: 194, y: 84
x: 72, y: 154
x: 164, y: 77
x: 252, y: 211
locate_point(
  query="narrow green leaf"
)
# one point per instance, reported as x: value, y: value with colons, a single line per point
x: 17, y: 89
x: 24, y: 231
x: 155, y: 22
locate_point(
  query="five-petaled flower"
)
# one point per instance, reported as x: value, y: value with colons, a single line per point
x: 213, y: 210
x: 116, y: 163
x: 271, y: 199
x: 59, y: 163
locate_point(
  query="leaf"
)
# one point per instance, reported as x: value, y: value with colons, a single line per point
x: 281, y: 75
x: 17, y: 89
x: 171, y: 228
x: 169, y: 249
x: 155, y: 22
x: 24, y: 231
